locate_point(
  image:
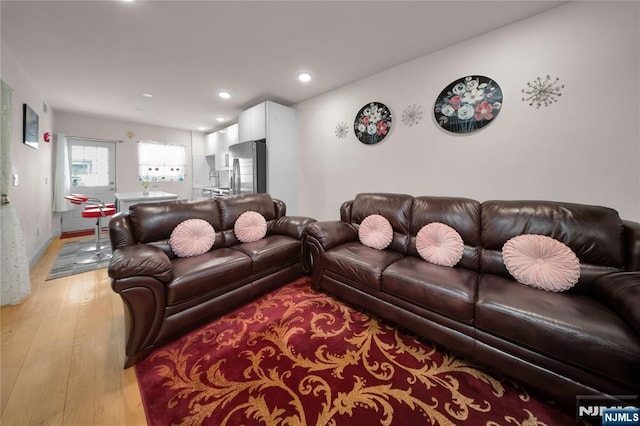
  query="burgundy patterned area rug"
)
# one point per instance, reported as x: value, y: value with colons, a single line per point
x: 297, y: 357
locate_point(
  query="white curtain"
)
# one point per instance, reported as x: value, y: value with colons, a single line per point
x: 15, y: 283
x: 62, y: 178
x: 161, y: 162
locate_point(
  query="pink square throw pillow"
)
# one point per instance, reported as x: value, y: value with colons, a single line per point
x: 250, y: 226
x: 541, y: 262
x: 192, y: 237
x: 439, y: 244
x: 375, y: 231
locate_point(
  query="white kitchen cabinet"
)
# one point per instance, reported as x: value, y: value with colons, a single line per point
x: 277, y: 124
x: 244, y: 126
x: 217, y: 144
x: 124, y: 200
x: 253, y: 123
x: 211, y: 143
x: 229, y: 137
x: 259, y: 121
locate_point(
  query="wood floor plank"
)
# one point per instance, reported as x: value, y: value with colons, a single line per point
x: 80, y: 400
x: 62, y: 352
x: 17, y: 337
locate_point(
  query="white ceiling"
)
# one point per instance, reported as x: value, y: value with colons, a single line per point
x: 98, y: 57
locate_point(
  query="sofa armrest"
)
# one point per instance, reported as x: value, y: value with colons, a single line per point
x: 140, y: 260
x: 621, y: 292
x: 120, y: 233
x: 632, y: 237
x: 332, y: 233
x: 292, y: 226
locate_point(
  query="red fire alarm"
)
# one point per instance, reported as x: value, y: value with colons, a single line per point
x: 47, y: 137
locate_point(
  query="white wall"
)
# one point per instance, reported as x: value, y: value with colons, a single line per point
x: 72, y: 124
x: 585, y: 148
x: 32, y: 197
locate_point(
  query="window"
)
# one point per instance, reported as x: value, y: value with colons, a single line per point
x: 161, y: 163
x: 89, y: 166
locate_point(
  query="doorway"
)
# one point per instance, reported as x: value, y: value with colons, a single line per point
x: 93, y: 173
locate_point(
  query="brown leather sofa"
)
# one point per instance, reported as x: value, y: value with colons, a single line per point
x: 165, y: 295
x: 583, y: 341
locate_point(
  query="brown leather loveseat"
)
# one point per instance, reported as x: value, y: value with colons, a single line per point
x: 582, y: 341
x: 165, y: 295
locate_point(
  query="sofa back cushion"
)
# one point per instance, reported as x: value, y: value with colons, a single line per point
x: 232, y: 207
x: 462, y: 214
x: 595, y: 234
x: 396, y: 208
x: 154, y: 222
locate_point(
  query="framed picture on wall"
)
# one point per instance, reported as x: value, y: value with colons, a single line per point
x: 372, y: 123
x: 30, y: 126
x: 468, y: 104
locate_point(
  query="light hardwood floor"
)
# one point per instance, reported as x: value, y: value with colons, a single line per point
x: 62, y: 352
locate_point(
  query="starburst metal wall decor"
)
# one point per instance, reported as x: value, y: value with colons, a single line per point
x: 411, y: 115
x: 342, y: 130
x: 542, y: 92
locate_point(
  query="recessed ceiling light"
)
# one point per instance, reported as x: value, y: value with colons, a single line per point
x: 201, y: 128
x: 220, y: 119
x: 224, y: 94
x: 147, y: 95
x: 304, y: 77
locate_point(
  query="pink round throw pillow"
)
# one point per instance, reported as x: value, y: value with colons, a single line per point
x: 192, y: 238
x: 541, y: 262
x: 375, y: 231
x: 439, y: 244
x: 250, y: 226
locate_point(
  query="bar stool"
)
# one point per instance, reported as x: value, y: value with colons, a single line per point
x: 97, y: 211
x: 102, y: 244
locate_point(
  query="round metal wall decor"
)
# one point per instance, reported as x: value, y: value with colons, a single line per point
x: 468, y: 104
x: 372, y: 123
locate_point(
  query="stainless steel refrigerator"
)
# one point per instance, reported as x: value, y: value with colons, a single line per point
x: 248, y: 167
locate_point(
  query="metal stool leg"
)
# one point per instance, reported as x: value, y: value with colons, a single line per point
x: 99, y: 244
x: 98, y: 256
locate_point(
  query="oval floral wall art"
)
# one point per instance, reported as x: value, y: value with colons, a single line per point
x: 372, y: 123
x: 468, y: 104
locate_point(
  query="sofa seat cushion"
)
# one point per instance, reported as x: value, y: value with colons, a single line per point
x: 575, y: 329
x: 209, y: 273
x: 271, y: 253
x: 357, y: 262
x: 447, y: 291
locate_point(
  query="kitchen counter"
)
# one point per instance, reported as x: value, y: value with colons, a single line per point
x: 211, y: 191
x: 126, y: 199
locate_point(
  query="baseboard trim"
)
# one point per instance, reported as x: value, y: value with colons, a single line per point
x: 34, y: 259
x: 80, y: 233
